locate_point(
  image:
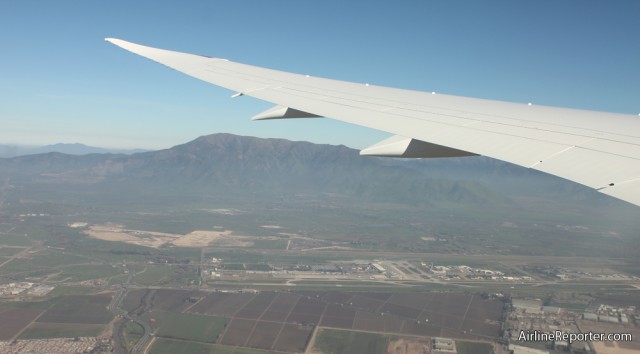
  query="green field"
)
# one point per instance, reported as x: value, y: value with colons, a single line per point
x: 61, y: 332
x: 70, y: 290
x: 473, y: 348
x: 170, y: 346
x: 167, y: 274
x: 86, y: 272
x: 154, y: 275
x: 48, y: 260
x: 132, y: 332
x: 331, y: 341
x: 221, y: 350
x: 13, y: 239
x: 118, y: 279
x: 191, y: 327
x: 43, y: 305
x: 79, y: 309
x: 8, y: 251
x: 269, y: 244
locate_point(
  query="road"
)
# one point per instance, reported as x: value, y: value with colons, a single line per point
x: 17, y: 255
x: 115, y: 308
x: 148, y: 331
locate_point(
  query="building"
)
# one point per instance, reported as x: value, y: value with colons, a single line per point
x: 378, y: 267
x: 612, y: 319
x: 551, y: 309
x: 443, y: 344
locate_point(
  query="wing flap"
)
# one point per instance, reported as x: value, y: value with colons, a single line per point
x: 280, y: 112
x: 400, y: 146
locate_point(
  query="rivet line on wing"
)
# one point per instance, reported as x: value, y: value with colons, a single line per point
x: 552, y: 156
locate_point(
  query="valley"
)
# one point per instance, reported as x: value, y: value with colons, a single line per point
x: 127, y: 254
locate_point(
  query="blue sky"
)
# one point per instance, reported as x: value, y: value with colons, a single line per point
x: 60, y: 82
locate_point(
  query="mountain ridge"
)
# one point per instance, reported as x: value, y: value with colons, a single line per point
x: 221, y: 163
x: 226, y: 163
x: 8, y: 150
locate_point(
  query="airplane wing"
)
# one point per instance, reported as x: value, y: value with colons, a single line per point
x: 597, y: 149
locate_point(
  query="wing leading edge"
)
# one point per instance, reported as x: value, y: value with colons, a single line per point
x: 597, y: 149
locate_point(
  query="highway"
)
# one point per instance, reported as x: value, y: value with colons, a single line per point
x: 115, y: 308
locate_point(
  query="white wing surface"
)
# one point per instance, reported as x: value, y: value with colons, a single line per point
x: 597, y: 149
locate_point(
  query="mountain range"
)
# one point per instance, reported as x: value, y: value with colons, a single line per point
x: 225, y: 164
x: 71, y: 149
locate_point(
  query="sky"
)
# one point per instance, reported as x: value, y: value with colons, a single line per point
x: 60, y: 82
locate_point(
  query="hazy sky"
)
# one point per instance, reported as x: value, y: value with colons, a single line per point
x: 60, y: 82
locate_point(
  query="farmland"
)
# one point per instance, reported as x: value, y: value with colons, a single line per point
x: 191, y: 327
x: 171, y: 300
x: 473, y: 348
x: 431, y: 314
x: 57, y: 330
x: 64, y: 316
x: 339, y: 342
x: 162, y: 346
x: 79, y: 309
x: 286, y: 321
x: 168, y: 346
x: 13, y: 320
